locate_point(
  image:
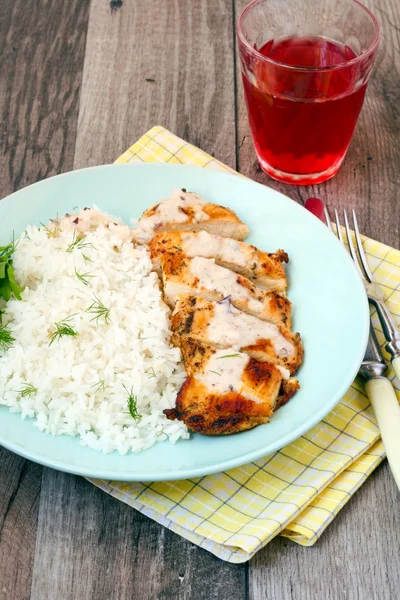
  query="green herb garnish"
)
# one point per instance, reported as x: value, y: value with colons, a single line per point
x: 63, y: 328
x: 228, y: 356
x: 216, y: 372
x: 132, y: 404
x: 86, y: 258
x: 52, y: 230
x: 83, y: 277
x: 100, y: 386
x: 6, y: 339
x: 8, y: 285
x: 79, y: 243
x: 28, y: 390
x: 152, y: 373
x: 98, y: 309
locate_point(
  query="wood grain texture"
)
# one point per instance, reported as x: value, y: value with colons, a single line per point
x: 91, y: 546
x: 172, y: 63
x: 369, y: 178
x: 42, y: 50
x: 19, y: 503
x: 157, y: 63
x: 357, y: 558
x: 42, y: 45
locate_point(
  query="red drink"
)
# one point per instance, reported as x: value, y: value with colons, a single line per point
x: 302, y: 120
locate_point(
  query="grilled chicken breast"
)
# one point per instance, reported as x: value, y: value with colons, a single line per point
x: 221, y: 325
x: 265, y: 269
x: 202, y: 277
x: 188, y: 211
x: 228, y: 391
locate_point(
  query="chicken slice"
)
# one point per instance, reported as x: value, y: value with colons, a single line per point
x: 264, y: 268
x: 202, y: 277
x: 186, y: 210
x: 221, y: 325
x: 228, y: 391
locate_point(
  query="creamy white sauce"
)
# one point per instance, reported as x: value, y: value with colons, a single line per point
x: 221, y: 280
x: 223, y: 372
x: 170, y: 211
x: 232, y: 327
x: 285, y: 372
x: 213, y: 246
x: 90, y: 219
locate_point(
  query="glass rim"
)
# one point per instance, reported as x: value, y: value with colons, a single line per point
x: 373, y: 46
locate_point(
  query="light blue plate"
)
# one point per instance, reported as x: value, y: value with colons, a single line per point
x: 329, y: 309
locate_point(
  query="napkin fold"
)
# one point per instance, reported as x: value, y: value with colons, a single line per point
x: 295, y: 492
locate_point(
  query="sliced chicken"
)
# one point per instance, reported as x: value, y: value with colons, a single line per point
x: 265, y: 269
x: 228, y: 391
x: 188, y: 211
x: 221, y: 325
x: 202, y: 277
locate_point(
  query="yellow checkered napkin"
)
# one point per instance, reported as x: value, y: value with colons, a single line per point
x: 295, y: 492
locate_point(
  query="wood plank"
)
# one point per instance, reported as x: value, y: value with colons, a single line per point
x: 157, y: 63
x: 19, y: 503
x: 92, y: 546
x: 42, y: 46
x: 356, y: 558
x: 368, y: 180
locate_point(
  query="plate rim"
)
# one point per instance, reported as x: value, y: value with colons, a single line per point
x: 227, y: 464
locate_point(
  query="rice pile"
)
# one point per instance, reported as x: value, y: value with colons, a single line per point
x: 83, y: 382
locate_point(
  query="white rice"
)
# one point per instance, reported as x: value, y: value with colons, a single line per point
x: 129, y: 352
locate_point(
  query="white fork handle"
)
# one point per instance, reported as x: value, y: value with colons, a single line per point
x: 396, y: 366
x: 387, y: 411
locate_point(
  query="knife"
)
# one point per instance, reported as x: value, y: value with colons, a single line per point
x: 384, y: 402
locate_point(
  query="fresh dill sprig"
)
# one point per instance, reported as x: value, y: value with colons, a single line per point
x: 86, y: 258
x: 28, y: 390
x: 132, y: 404
x: 216, y: 372
x: 52, y: 230
x: 152, y: 373
x: 227, y: 356
x: 78, y: 241
x: 100, y: 386
x: 83, y: 277
x: 98, y: 309
x: 6, y: 339
x: 63, y: 328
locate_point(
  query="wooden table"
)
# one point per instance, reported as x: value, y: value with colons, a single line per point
x: 80, y: 81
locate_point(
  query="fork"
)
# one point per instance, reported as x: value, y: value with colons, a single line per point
x: 373, y: 368
x: 374, y: 291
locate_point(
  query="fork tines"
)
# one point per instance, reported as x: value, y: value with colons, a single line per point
x: 361, y: 259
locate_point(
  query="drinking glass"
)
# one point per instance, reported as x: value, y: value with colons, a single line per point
x: 305, y: 68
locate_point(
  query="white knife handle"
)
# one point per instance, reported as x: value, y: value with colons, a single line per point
x: 387, y: 411
x: 396, y: 366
